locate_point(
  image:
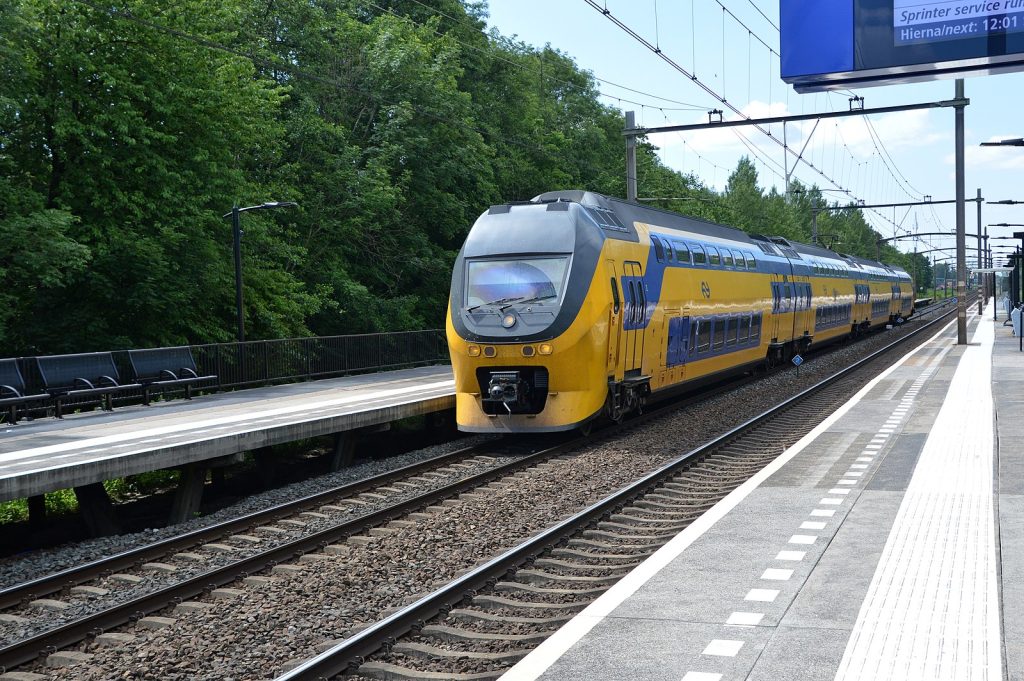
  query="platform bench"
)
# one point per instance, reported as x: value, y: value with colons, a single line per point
x: 82, y: 375
x: 166, y: 368
x: 12, y: 389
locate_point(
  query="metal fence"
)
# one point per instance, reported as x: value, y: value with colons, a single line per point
x: 299, y: 359
x: 288, y: 360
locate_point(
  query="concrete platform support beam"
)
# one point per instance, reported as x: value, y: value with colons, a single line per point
x: 344, y: 449
x: 96, y: 510
x: 37, y: 511
x: 266, y: 465
x: 189, y: 495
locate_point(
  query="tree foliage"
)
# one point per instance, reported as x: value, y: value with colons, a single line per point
x: 128, y: 128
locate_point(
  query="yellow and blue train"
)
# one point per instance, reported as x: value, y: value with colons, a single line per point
x: 576, y: 305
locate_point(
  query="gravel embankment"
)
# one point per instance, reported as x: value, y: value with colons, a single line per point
x: 254, y: 635
x: 24, y: 567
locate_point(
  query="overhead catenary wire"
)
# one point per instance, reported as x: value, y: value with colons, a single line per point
x: 598, y: 79
x: 660, y: 53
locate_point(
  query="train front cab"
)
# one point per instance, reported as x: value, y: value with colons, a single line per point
x: 529, y: 340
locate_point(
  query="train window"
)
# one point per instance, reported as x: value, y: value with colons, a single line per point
x: 787, y: 298
x: 669, y: 255
x: 631, y: 302
x: 704, y: 338
x: 682, y: 253
x: 744, y: 329
x: 727, y: 258
x: 775, y: 298
x: 699, y: 258
x: 713, y: 257
x: 751, y: 262
x: 755, y: 327
x: 694, y: 325
x: 659, y: 250
x: 719, y: 339
x: 641, y: 312
x: 615, y: 297
x: 491, y: 281
x: 731, y: 327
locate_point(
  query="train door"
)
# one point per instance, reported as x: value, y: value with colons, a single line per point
x: 805, y: 317
x: 678, y: 344
x: 615, y: 317
x: 776, y: 331
x: 633, y: 321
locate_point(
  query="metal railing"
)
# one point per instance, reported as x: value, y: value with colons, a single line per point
x: 300, y: 359
x: 288, y: 360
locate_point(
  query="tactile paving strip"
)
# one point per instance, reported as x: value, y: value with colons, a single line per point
x: 931, y: 611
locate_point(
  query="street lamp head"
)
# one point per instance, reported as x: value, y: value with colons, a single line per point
x: 1014, y: 142
x: 279, y: 204
x: 1004, y: 202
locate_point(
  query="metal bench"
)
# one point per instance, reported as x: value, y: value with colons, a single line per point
x: 166, y: 368
x: 82, y: 375
x: 12, y: 389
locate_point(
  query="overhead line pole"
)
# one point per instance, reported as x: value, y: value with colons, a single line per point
x: 631, y: 190
x: 982, y: 297
x: 961, y: 217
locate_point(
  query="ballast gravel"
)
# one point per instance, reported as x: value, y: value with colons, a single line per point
x: 285, y: 621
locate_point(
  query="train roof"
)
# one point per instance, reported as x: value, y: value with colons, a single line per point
x: 628, y: 213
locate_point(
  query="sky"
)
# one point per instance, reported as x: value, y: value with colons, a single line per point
x: 899, y: 157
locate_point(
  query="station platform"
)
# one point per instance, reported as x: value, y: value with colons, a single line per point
x: 50, y: 454
x: 887, y: 544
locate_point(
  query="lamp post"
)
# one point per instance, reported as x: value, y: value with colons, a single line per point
x: 236, y: 231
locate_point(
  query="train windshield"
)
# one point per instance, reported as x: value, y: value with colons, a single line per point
x: 535, y: 280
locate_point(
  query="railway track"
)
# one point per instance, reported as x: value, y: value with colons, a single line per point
x: 201, y: 563
x: 477, y: 626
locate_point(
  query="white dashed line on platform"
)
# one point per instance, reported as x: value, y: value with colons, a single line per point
x: 744, y: 619
x: 723, y: 648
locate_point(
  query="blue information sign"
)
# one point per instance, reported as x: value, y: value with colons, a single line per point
x: 831, y: 44
x: 798, y: 360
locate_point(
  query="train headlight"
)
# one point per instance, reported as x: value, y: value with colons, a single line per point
x: 528, y: 351
x: 473, y: 350
x: 508, y: 321
x: 489, y: 351
x: 545, y: 349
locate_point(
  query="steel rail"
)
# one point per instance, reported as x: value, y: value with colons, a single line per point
x: 42, y: 586
x: 54, y: 639
x: 350, y: 653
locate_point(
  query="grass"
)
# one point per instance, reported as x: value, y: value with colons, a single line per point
x: 64, y: 502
